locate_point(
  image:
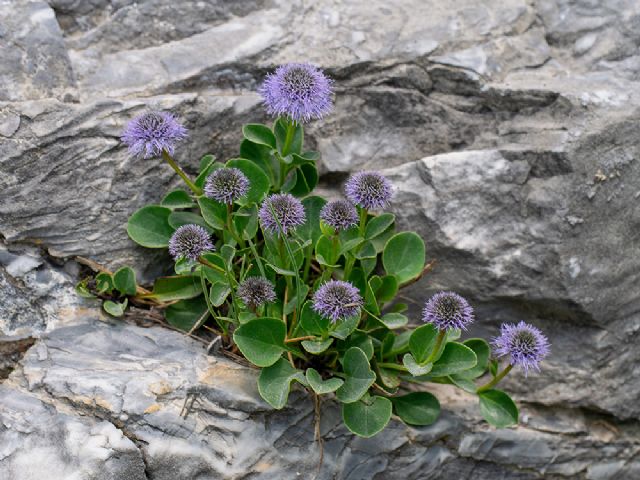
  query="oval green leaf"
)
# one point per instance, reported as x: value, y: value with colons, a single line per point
x: 422, y: 341
x: 274, y: 382
x: 358, y: 376
x: 261, y: 341
x: 498, y: 408
x: 125, y: 281
x: 150, y: 227
x: 404, y: 256
x: 321, y: 386
x: 417, y: 408
x: 260, y: 134
x: 455, y: 358
x: 365, y: 419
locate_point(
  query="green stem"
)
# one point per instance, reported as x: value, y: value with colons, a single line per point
x: 348, y: 265
x: 496, y: 379
x: 231, y: 227
x: 291, y: 130
x: 393, y: 366
x: 363, y: 221
x: 205, y: 290
x: 179, y: 171
x: 439, y: 339
x: 207, y: 263
x: 257, y: 257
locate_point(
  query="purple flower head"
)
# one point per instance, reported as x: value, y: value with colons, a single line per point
x: 298, y: 91
x: 282, y: 208
x: 190, y: 241
x: 149, y: 134
x: 226, y: 185
x: 524, y: 343
x: 448, y: 310
x: 255, y: 291
x: 340, y: 214
x: 337, y: 300
x: 370, y: 190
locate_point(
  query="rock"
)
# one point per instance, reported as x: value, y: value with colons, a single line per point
x: 190, y: 414
x: 40, y: 442
x: 509, y: 129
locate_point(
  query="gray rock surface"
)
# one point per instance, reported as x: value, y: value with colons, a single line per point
x: 511, y: 132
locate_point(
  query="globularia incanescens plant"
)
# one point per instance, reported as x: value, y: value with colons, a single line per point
x: 306, y: 289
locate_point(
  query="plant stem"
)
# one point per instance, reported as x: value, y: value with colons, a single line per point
x: 291, y: 130
x: 231, y: 227
x: 363, y: 221
x: 496, y: 379
x: 348, y: 265
x: 393, y: 366
x: 299, y: 339
x: 179, y: 171
x: 439, y: 339
x: 207, y: 263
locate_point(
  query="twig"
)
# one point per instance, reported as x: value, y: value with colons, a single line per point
x: 96, y: 267
x: 427, y: 268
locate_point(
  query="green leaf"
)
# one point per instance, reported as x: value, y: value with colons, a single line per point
x: 387, y: 290
x: 321, y: 386
x: 185, y: 313
x: 150, y: 227
x: 414, y: 367
x: 394, y: 320
x: 367, y: 250
x: 207, y: 166
x: 310, y: 230
x: 345, y: 327
x: 212, y: 274
x: 246, y: 221
x: 214, y: 213
x: 463, y: 383
x: 219, y: 293
x: 311, y: 322
x: 378, y: 225
x: 306, y: 180
x: 178, y: 219
x: 325, y: 252
x: 498, y: 408
x: 274, y: 382
x: 455, y: 358
x: 115, y: 309
x: 261, y: 340
x: 358, y: 376
x: 401, y: 343
x: 258, y: 182
x: 316, y: 346
x: 260, y: 134
x: 358, y: 339
x: 125, y: 281
x: 404, y: 256
x: 177, y: 199
x: 349, y: 239
x: 261, y: 155
x: 82, y: 289
x: 178, y: 287
x: 482, y: 350
x: 422, y: 341
x: 366, y: 418
x: 417, y: 408
x: 104, y: 282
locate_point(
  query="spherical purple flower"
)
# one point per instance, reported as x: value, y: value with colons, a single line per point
x: 339, y: 214
x: 226, y: 185
x: 283, y: 209
x: 298, y: 91
x: 190, y: 241
x: 337, y: 300
x: 149, y: 134
x: 448, y: 310
x: 524, y: 343
x: 256, y: 291
x: 368, y: 189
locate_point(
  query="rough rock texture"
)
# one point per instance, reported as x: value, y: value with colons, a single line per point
x: 511, y: 132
